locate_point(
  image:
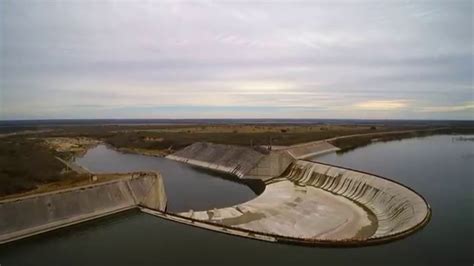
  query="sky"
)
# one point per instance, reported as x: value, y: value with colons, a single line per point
x: 236, y: 59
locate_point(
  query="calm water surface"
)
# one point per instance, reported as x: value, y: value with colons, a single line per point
x: 438, y: 168
x: 187, y: 187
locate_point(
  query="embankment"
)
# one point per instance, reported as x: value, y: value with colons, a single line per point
x: 30, y: 215
x: 224, y: 158
x: 306, y: 150
x: 239, y: 161
x: 247, y: 162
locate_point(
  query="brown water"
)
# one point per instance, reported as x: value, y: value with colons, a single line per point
x: 437, y: 167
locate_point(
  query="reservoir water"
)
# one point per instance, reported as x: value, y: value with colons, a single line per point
x: 187, y: 187
x: 438, y: 167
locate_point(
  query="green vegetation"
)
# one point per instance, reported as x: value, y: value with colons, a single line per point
x: 26, y: 164
x: 169, y: 140
x: 173, y: 137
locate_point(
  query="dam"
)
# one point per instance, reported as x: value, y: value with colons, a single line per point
x: 318, y: 204
x: 303, y: 202
x: 256, y: 163
x: 152, y: 241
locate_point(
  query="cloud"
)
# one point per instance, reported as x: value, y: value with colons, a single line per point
x: 468, y: 106
x: 303, y: 59
x: 382, y: 105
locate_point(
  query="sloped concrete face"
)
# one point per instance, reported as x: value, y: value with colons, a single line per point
x: 396, y: 207
x: 224, y: 158
x: 242, y: 162
x: 314, y: 203
x: 148, y: 190
x: 30, y: 215
x: 245, y: 162
x: 272, y: 164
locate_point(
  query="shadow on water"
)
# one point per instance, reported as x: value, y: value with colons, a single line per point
x: 256, y: 185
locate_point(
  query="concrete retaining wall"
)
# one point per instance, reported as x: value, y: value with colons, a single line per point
x: 30, y: 215
x: 236, y: 160
x: 397, y: 208
x: 271, y: 165
x: 225, y: 158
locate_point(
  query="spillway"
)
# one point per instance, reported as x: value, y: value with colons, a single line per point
x: 397, y: 208
x: 318, y: 204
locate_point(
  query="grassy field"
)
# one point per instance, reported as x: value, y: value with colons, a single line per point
x: 169, y: 139
x: 166, y: 139
x: 26, y: 164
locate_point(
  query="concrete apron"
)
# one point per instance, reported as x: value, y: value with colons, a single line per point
x: 275, y: 238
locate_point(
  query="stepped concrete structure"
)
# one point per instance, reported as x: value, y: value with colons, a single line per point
x: 30, y: 215
x: 319, y: 204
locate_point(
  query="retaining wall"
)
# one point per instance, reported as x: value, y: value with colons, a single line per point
x: 271, y: 165
x: 235, y: 160
x: 30, y: 215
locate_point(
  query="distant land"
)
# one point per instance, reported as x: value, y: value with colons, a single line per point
x: 62, y: 122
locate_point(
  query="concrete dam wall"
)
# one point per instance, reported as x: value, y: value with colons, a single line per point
x: 247, y: 162
x: 225, y: 158
x: 271, y: 165
x: 30, y: 215
x: 318, y: 204
x: 396, y: 207
x: 236, y: 160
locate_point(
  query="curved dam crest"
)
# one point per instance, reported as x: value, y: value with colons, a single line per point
x: 315, y: 203
x: 397, y: 208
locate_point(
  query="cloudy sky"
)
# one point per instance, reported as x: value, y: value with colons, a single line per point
x: 236, y: 59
